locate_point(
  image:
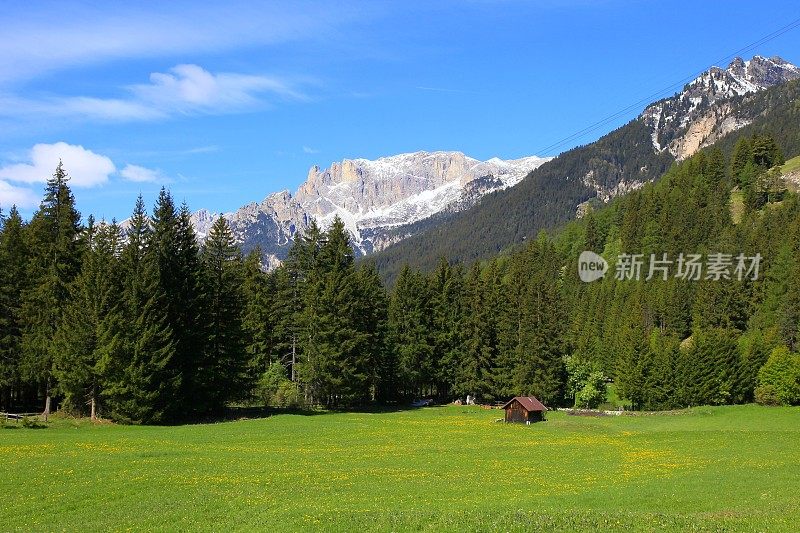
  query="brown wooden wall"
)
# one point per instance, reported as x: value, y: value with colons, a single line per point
x: 516, y: 413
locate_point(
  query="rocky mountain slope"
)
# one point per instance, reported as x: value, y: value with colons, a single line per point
x: 759, y: 95
x: 691, y: 120
x: 379, y: 201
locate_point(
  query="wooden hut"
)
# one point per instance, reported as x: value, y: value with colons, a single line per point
x: 525, y: 409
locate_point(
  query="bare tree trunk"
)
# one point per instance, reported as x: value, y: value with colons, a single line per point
x: 94, y: 407
x: 47, y: 401
x: 294, y: 358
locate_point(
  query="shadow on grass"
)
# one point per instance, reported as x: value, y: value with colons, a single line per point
x: 29, y: 425
x: 244, y: 412
x: 254, y: 412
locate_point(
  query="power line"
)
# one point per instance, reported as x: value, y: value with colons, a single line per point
x: 668, y: 90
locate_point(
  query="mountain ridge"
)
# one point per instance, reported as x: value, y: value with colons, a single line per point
x: 616, y: 163
x: 372, y: 197
x: 682, y: 123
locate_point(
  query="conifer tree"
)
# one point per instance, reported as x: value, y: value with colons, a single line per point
x: 284, y: 314
x: 176, y: 253
x: 258, y: 325
x: 13, y: 282
x: 498, y: 307
x: 478, y: 363
x: 140, y: 384
x: 55, y: 260
x: 336, y: 364
x: 90, y: 329
x: 541, y: 351
x: 659, y: 386
x: 593, y: 239
x: 371, y: 319
x: 225, y: 359
x: 446, y: 290
x: 632, y: 353
x: 189, y: 328
x: 742, y: 155
x: 409, y: 334
x: 714, y: 375
x: 765, y: 152
x: 754, y: 350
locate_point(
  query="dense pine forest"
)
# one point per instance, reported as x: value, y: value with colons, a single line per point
x: 143, y: 324
x: 673, y: 343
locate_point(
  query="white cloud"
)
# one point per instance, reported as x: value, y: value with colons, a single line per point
x: 309, y: 150
x: 142, y: 175
x: 188, y: 88
x: 184, y: 89
x: 79, y: 106
x: 85, y: 168
x: 22, y: 197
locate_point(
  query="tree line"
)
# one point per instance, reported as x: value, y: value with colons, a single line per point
x: 144, y: 324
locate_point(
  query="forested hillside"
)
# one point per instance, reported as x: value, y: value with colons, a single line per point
x: 675, y: 342
x: 548, y: 196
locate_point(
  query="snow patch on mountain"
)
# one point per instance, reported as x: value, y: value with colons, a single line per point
x: 689, y: 121
x: 371, y: 197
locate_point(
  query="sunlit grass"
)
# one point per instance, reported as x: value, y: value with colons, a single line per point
x: 791, y: 165
x: 451, y: 468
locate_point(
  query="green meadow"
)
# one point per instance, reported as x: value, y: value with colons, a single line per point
x: 432, y: 469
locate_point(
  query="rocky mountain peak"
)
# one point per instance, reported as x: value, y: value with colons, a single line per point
x: 737, y: 67
x: 689, y: 120
x: 373, y: 197
x: 766, y: 72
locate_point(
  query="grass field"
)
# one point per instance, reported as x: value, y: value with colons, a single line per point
x: 442, y: 468
x: 791, y: 165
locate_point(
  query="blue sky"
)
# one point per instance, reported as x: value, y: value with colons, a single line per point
x: 225, y: 102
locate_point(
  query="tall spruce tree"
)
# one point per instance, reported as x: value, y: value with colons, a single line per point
x: 13, y: 282
x: 90, y: 330
x: 742, y: 155
x: 446, y: 290
x: 190, y: 329
x: 174, y: 246
x: 140, y: 381
x: 55, y: 261
x: 337, y: 361
x: 541, y: 350
x: 298, y: 285
x: 225, y: 355
x: 371, y: 319
x: 411, y: 349
x: 284, y: 316
x: 478, y: 363
x: 259, y: 328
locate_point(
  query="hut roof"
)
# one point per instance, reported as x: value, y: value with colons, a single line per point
x: 529, y: 403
